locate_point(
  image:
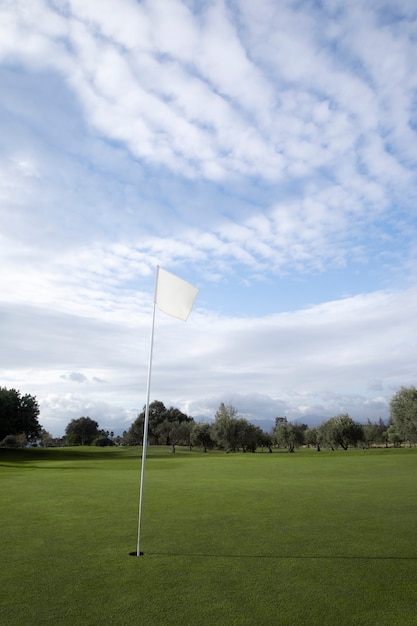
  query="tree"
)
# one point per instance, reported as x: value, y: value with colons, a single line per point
x: 404, y: 414
x: 382, y: 432
x: 9, y: 442
x: 47, y: 441
x: 289, y: 435
x: 231, y: 432
x: 312, y: 438
x: 18, y: 414
x: 341, y: 431
x: 15, y: 441
x: 81, y: 431
x: 225, y: 430
x: 158, y: 414
x: 266, y: 441
x: 134, y: 436
x: 374, y: 433
x: 104, y: 439
x: 393, y: 436
x: 179, y: 429
x: 201, y: 436
x: 250, y: 436
x: 175, y: 433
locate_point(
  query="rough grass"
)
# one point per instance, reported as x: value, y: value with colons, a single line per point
x: 237, y: 539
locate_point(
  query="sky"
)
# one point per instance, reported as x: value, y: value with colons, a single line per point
x: 263, y: 150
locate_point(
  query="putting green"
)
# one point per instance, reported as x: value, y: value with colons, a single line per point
x: 308, y: 538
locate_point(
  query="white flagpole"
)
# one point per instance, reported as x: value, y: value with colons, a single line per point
x: 146, y: 423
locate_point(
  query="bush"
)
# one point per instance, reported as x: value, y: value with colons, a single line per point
x: 103, y: 441
x: 9, y: 442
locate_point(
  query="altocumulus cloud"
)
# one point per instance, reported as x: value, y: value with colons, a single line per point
x: 264, y: 151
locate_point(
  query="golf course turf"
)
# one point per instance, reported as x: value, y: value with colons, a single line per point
x: 307, y: 538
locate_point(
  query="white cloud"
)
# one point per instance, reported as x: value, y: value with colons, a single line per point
x: 309, y: 364
x: 72, y: 406
x: 264, y: 150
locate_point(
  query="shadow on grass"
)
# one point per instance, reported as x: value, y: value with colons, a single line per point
x: 11, y: 457
x: 278, y: 556
x: 86, y: 453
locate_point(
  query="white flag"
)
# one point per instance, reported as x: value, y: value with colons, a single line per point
x: 173, y: 295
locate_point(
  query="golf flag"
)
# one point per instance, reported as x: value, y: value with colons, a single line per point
x: 173, y: 295
x: 176, y: 297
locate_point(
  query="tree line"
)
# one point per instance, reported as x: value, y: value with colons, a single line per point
x: 19, y: 425
x: 232, y: 433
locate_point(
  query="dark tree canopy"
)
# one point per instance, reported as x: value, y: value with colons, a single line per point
x: 18, y: 414
x: 82, y: 431
x: 103, y: 439
x: 158, y: 415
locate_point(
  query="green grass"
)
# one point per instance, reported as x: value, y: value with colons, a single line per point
x: 308, y: 538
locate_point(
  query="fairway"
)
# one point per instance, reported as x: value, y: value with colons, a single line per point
x: 308, y: 538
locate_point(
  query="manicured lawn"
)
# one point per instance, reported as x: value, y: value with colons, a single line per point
x: 309, y: 538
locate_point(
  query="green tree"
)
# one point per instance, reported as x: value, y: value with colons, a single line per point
x: 201, y: 436
x: 231, y: 432
x: 81, y: 431
x: 404, y: 414
x: 134, y: 436
x: 104, y: 439
x: 394, y: 437
x: 312, y: 438
x: 15, y: 441
x: 289, y: 435
x: 341, y: 431
x: 47, y: 441
x: 225, y: 430
x: 266, y: 441
x: 382, y: 432
x: 18, y: 414
x: 158, y: 414
x: 9, y: 441
x: 374, y: 433
x: 175, y: 433
x: 179, y: 433
x: 250, y: 436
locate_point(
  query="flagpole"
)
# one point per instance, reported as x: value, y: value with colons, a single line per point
x: 146, y: 422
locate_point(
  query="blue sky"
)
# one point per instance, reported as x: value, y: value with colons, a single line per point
x: 265, y: 151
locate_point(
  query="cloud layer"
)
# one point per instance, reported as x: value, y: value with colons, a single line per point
x: 267, y: 152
